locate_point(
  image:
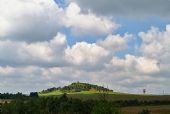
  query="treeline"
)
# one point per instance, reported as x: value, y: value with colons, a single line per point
x: 135, y: 102
x: 33, y: 104
x: 11, y: 96
x: 17, y: 95
x: 77, y: 87
x: 58, y: 105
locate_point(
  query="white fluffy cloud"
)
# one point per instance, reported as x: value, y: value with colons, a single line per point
x: 54, y: 62
x: 22, y: 53
x: 156, y: 44
x: 136, y: 64
x: 57, y: 52
x: 28, y: 20
x: 38, y: 20
x: 88, y: 54
x: 87, y: 23
x: 96, y: 54
x: 115, y: 42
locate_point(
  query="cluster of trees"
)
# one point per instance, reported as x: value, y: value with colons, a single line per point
x: 77, y: 87
x: 17, y: 95
x: 11, y: 96
x: 58, y: 105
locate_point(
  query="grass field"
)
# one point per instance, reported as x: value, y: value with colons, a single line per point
x: 58, y: 92
x: 95, y: 95
x: 165, y: 109
x: 114, y: 96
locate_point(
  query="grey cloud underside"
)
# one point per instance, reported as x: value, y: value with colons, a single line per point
x: 132, y: 8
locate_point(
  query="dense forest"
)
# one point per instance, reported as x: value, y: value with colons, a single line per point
x: 57, y: 105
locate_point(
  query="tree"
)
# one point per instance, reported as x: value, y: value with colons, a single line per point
x: 33, y: 94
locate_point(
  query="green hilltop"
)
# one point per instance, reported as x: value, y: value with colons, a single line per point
x: 75, y: 88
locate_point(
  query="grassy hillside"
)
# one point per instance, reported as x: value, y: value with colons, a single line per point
x: 76, y: 88
x: 112, y: 96
x: 86, y: 91
x: 72, y: 93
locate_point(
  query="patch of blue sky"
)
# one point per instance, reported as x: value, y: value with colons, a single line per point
x: 73, y: 38
x: 134, y: 26
x: 61, y: 3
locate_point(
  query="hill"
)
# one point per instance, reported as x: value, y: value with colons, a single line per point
x: 76, y: 87
x: 87, y: 91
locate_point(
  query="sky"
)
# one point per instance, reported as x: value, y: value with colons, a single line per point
x: 120, y: 44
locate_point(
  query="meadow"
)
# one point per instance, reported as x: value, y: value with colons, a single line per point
x: 111, y: 96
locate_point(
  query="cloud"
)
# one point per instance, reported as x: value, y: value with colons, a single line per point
x: 34, y: 78
x: 87, y: 23
x: 6, y: 70
x: 28, y: 20
x: 84, y: 54
x: 136, y: 64
x: 46, y: 53
x: 22, y: 79
x: 36, y: 56
x: 130, y: 8
x: 54, y: 63
x: 156, y: 44
x: 94, y: 56
x: 115, y: 42
x: 39, y: 20
x: 57, y: 52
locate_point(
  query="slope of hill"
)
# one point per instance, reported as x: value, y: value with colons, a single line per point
x: 85, y: 91
x: 76, y: 88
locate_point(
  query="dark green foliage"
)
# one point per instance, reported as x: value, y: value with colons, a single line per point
x: 145, y: 111
x: 34, y: 94
x: 11, y: 96
x: 55, y: 105
x: 50, y: 90
x: 78, y: 87
x: 104, y: 108
x: 135, y: 102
